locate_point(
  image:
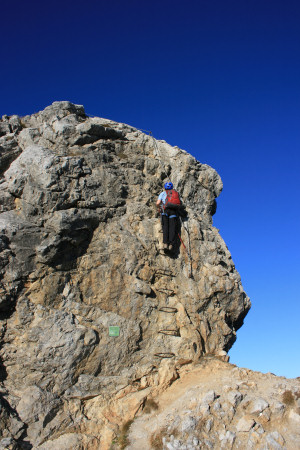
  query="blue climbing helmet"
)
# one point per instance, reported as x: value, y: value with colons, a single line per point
x: 168, y: 186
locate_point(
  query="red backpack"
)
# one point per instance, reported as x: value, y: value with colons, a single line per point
x: 172, y: 200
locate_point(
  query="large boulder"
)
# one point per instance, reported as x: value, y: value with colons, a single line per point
x: 80, y: 253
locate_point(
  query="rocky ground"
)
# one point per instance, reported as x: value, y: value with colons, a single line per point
x: 80, y: 252
x: 215, y: 405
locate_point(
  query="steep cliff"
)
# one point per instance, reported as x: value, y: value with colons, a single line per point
x: 80, y: 246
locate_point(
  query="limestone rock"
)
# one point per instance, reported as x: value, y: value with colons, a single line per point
x: 274, y: 441
x: 228, y: 440
x: 294, y: 416
x: 209, y: 397
x: 8, y: 444
x: 258, y: 406
x: 234, y: 398
x: 245, y: 424
x: 79, y: 243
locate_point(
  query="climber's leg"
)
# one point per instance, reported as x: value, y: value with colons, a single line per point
x: 172, y: 229
x: 165, y: 227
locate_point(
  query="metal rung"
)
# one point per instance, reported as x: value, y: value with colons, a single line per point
x: 168, y: 309
x: 164, y: 272
x: 166, y: 291
x: 169, y: 332
x: 164, y: 355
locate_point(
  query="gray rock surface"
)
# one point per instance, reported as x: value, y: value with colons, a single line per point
x: 258, y: 406
x: 245, y: 424
x: 80, y: 252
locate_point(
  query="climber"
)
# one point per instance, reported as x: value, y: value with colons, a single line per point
x: 168, y: 204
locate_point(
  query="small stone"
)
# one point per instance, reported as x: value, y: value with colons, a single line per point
x: 189, y: 424
x: 258, y: 406
x: 4, y: 128
x: 254, y: 439
x: 258, y: 428
x: 208, y: 443
x: 204, y: 409
x: 294, y: 416
x: 278, y: 408
x: 8, y: 444
x: 176, y: 444
x: 217, y: 406
x: 16, y: 427
x: 142, y: 287
x: 228, y: 440
x: 209, y: 397
x: 227, y: 388
x: 245, y: 424
x: 144, y: 382
x: 221, y: 354
x: 230, y: 413
x: 208, y: 425
x: 264, y: 416
x: 234, y: 398
x: 274, y: 440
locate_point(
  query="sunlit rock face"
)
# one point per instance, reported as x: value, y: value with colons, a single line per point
x: 80, y: 246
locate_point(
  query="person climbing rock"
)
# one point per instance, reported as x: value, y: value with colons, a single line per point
x: 168, y: 204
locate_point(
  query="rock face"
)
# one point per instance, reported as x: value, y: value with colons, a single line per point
x: 80, y: 252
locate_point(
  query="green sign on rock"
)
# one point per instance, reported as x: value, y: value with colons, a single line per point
x: 114, y: 331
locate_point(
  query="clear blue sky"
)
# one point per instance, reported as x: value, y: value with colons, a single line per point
x: 220, y: 79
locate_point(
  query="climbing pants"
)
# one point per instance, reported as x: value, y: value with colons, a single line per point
x: 169, y: 226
